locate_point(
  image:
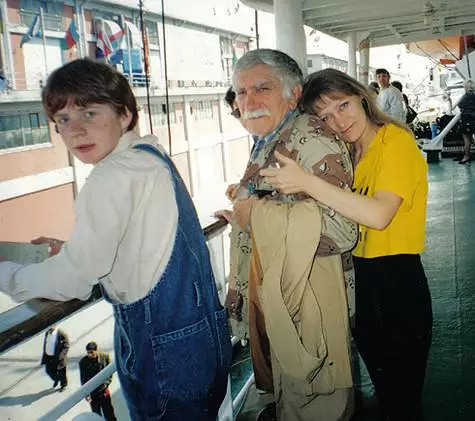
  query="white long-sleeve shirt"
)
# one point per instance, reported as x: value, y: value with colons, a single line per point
x: 391, y: 102
x: 126, y: 222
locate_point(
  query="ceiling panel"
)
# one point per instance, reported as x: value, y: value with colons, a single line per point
x: 385, y: 22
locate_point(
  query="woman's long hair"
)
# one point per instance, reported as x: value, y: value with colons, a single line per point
x: 331, y: 82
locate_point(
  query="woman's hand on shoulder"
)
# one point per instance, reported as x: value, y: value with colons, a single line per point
x: 288, y: 178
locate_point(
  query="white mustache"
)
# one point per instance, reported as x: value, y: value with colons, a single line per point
x: 256, y: 114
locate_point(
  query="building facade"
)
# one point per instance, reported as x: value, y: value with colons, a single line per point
x: 190, y: 56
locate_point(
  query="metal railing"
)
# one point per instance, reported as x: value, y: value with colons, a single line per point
x: 437, y: 142
x: 79, y: 394
x: 30, y: 318
x: 33, y: 80
x: 52, y: 22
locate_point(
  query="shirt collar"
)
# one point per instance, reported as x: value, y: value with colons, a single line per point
x: 125, y: 142
x: 267, y: 138
x: 129, y: 139
x: 379, y: 138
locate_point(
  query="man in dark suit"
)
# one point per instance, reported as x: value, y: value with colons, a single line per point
x: 55, y: 351
x: 89, y: 366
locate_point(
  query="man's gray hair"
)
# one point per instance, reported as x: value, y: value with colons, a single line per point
x: 284, y: 67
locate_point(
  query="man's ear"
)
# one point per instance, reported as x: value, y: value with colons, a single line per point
x: 296, y: 94
x: 297, y: 91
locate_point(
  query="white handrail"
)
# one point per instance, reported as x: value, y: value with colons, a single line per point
x: 436, y: 143
x: 78, y: 395
x: 86, y: 389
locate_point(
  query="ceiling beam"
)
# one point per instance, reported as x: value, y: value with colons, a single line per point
x: 381, y: 11
x: 389, y: 39
x: 397, y: 22
x: 394, y: 31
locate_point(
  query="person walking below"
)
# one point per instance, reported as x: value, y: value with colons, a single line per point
x: 89, y: 366
x: 55, y: 351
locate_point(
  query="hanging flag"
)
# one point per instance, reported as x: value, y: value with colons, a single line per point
x: 109, y: 35
x: 114, y: 32
x: 104, y: 47
x: 72, y: 36
x: 135, y: 35
x: 34, y: 31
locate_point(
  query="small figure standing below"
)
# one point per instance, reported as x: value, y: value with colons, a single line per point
x: 55, y: 351
x: 89, y: 366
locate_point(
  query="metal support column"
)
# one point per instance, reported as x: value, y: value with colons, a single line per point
x: 352, y: 54
x: 290, y: 35
x: 364, y: 61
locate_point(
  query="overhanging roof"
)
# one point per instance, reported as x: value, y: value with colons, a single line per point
x: 386, y: 22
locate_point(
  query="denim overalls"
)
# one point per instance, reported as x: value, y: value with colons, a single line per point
x: 172, y: 347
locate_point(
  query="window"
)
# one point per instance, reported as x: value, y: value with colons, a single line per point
x: 54, y: 7
x: 25, y: 129
x: 159, y: 114
x: 152, y: 32
x: 310, y: 63
x: 203, y: 110
x: 52, y: 13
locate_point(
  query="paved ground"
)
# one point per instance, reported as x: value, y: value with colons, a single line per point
x: 25, y: 389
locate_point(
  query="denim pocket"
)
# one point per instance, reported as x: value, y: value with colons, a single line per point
x: 185, y: 361
x: 123, y: 349
x: 224, y: 339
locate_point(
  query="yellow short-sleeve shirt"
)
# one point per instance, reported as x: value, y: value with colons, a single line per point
x: 393, y: 163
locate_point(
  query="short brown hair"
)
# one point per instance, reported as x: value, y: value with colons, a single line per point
x: 84, y: 82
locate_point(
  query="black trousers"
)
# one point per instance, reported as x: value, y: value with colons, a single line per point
x: 101, y: 404
x: 54, y: 373
x: 393, y: 330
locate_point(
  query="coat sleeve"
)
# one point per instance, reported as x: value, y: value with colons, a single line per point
x: 43, y: 356
x: 82, y: 371
x: 65, y: 346
x: 329, y: 159
x: 107, y: 361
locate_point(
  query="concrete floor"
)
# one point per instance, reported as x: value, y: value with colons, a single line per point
x: 449, y: 261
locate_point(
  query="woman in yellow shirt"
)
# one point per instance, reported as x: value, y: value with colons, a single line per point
x: 393, y: 305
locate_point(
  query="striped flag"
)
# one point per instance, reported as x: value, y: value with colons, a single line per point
x: 104, y: 47
x: 71, y: 38
x: 109, y: 35
x: 34, y: 31
x: 115, y: 38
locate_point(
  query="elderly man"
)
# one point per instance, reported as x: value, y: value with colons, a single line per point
x: 287, y: 292
x: 390, y: 99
